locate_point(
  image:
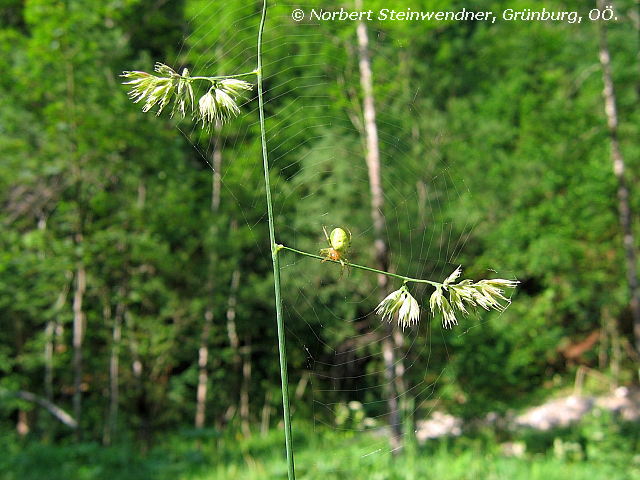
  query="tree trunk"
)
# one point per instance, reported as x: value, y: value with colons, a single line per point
x: 232, y: 331
x: 78, y: 238
x: 78, y: 334
x: 50, y: 332
x: 617, y: 158
x: 636, y: 24
x: 203, y: 374
x: 611, y: 327
x: 138, y: 394
x: 23, y: 427
x: 54, y: 329
x: 114, y: 373
x: 379, y: 226
x: 203, y: 351
x: 234, y: 342
x: 216, y: 180
x: 48, y: 360
x: 400, y: 385
x: 244, y: 390
x: 266, y: 413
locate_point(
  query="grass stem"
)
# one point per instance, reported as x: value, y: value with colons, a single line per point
x: 275, y: 259
x: 360, y: 267
x: 219, y: 77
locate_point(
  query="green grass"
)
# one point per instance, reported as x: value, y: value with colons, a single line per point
x: 324, y: 456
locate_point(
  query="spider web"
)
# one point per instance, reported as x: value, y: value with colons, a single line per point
x: 316, y: 145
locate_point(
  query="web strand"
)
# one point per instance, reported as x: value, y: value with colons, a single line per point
x: 319, y: 169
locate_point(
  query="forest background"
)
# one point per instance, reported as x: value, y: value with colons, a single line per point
x: 136, y: 296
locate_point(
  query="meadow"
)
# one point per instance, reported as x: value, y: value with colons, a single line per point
x: 598, y: 448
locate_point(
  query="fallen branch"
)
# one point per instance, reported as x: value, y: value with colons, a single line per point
x: 53, y: 409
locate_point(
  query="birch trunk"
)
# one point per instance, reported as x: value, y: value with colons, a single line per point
x: 266, y: 413
x: 22, y: 425
x: 244, y: 390
x: 52, y: 330
x: 48, y: 360
x: 203, y: 351
x: 379, y: 224
x: 203, y: 374
x: 53, y: 326
x: 78, y: 336
x: 624, y: 209
x: 232, y: 331
x: 114, y: 373
x: 234, y: 342
x: 80, y: 274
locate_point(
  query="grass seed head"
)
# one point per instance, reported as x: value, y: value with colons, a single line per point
x: 487, y: 294
x: 217, y: 106
x: 402, y: 303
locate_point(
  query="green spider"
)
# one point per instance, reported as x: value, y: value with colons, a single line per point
x: 339, y: 242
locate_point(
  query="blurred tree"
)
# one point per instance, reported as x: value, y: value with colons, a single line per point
x: 617, y: 158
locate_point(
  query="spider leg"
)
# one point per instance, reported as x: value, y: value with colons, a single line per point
x: 326, y: 235
x: 344, y: 267
x: 326, y: 253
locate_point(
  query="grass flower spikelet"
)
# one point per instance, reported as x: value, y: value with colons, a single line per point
x: 402, y: 303
x: 218, y: 105
x: 487, y: 294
